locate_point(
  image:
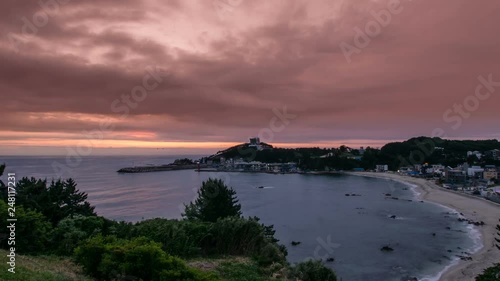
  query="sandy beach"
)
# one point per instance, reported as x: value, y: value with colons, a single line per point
x: 473, y: 208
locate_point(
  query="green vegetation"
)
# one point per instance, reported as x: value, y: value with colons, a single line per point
x: 32, y: 230
x: 42, y: 268
x: 490, y: 274
x: 179, y: 238
x: 312, y: 271
x: 71, y: 231
x: 56, y: 201
x: 215, y: 201
x: 107, y: 258
x: 59, y: 228
x: 236, y: 271
x: 230, y: 236
x: 183, y: 161
x: 396, y: 154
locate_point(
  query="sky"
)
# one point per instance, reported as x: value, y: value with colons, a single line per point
x: 194, y: 77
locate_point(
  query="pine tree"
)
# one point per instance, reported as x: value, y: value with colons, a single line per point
x: 215, y: 201
x: 56, y: 201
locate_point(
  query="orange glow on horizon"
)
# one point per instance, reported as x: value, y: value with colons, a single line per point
x: 113, y: 143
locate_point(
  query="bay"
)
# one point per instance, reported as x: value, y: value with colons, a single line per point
x: 312, y: 209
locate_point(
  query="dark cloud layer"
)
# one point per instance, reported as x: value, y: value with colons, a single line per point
x: 225, y: 73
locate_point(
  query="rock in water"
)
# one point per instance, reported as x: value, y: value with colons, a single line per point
x: 386, y: 249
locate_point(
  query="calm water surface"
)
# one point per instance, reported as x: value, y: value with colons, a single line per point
x: 311, y: 209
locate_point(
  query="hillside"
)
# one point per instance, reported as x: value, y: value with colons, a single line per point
x: 437, y: 151
x: 395, y: 154
x: 53, y: 268
x: 42, y: 268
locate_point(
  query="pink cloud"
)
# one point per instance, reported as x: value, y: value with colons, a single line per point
x: 226, y: 75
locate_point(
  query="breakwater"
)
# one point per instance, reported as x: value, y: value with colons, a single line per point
x: 160, y: 168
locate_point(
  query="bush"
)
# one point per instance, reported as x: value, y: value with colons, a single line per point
x: 120, y: 229
x: 179, y: 238
x: 244, y: 237
x: 33, y: 230
x: 215, y: 201
x: 71, y: 231
x: 241, y: 272
x: 490, y: 274
x: 269, y: 254
x: 229, y: 236
x: 312, y: 271
x: 109, y: 258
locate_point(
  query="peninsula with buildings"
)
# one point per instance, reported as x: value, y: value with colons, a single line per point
x: 472, y: 167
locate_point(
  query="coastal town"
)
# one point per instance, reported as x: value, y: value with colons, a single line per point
x: 471, y: 179
x: 474, y: 176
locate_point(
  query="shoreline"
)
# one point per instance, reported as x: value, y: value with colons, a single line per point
x: 473, y: 208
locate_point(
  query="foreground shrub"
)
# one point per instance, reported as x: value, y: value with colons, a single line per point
x: 312, y: 271
x: 241, y: 272
x: 71, y: 231
x: 33, y: 230
x: 490, y: 274
x: 120, y: 229
x: 109, y: 258
x: 242, y: 237
x: 179, y: 238
x: 230, y: 236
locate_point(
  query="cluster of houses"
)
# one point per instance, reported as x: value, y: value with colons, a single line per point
x: 462, y: 174
x: 474, y: 179
x: 478, y: 180
x: 238, y: 165
x: 495, y: 154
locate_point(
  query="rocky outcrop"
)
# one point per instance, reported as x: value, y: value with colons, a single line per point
x: 386, y: 248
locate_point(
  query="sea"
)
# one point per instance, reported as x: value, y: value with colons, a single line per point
x: 347, y: 218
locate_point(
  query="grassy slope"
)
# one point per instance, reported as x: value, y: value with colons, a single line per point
x: 49, y: 268
x: 233, y: 268
x: 41, y: 269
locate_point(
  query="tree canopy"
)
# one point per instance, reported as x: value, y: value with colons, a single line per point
x: 56, y: 200
x: 418, y: 150
x: 215, y: 201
